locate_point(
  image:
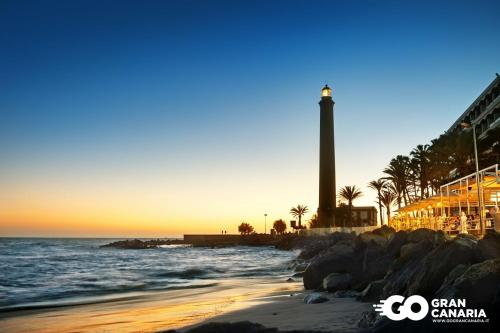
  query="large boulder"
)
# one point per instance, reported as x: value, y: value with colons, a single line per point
x: 300, y: 267
x: 375, y: 264
x: 489, y: 246
x: 315, y: 298
x: 451, y: 277
x: 396, y: 241
x: 368, y: 237
x: 367, y: 320
x: 424, y: 234
x: 337, y: 281
x: 343, y: 257
x: 372, y: 292
x: 385, y: 231
x: 479, y: 285
x: 439, y: 262
x: 403, y: 268
x: 317, y: 245
x: 365, y: 258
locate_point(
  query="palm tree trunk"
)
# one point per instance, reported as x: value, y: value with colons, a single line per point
x: 300, y: 220
x: 350, y: 214
x: 380, y: 211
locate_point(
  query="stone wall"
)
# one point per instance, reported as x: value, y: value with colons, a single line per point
x: 327, y: 231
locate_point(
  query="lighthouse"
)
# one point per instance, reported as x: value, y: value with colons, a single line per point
x: 327, y: 190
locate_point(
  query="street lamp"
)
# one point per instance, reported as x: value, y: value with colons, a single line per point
x: 265, y: 224
x: 478, y: 183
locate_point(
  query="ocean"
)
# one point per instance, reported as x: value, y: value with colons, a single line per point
x: 53, y: 272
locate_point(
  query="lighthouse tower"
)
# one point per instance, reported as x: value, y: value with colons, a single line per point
x: 327, y: 190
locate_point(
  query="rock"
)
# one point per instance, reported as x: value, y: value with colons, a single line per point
x: 240, y: 327
x: 466, y: 240
x: 403, y: 268
x: 288, y: 242
x: 367, y: 320
x: 479, y: 285
x: 290, y: 280
x: 451, y: 277
x: 318, y: 245
x: 396, y: 241
x: 296, y: 262
x: 372, y: 292
x: 301, y: 267
x: 364, y: 257
x: 438, y: 264
x: 436, y: 237
x: 411, y: 251
x: 337, y: 281
x: 134, y: 244
x: 346, y: 294
x: 368, y: 237
x: 376, y: 263
x: 421, y: 234
x: 384, y: 231
x: 315, y: 298
x: 129, y: 244
x: 341, y: 257
x: 489, y: 246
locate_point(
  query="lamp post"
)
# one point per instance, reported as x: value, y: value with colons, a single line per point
x: 265, y: 224
x: 478, y: 182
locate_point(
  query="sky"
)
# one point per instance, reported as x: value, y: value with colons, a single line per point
x: 158, y: 118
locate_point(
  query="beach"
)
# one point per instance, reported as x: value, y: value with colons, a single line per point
x: 289, y: 312
x: 180, y: 288
x: 74, y: 285
x: 269, y: 303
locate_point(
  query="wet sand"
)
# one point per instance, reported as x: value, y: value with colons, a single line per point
x: 147, y: 312
x: 268, y: 303
x: 287, y: 312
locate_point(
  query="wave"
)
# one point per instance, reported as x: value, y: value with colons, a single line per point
x: 188, y: 274
x: 93, y: 300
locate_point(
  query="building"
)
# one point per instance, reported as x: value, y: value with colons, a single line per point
x: 470, y: 203
x: 484, y: 112
x: 363, y: 216
x: 327, y: 189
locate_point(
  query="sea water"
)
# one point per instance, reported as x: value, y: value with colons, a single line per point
x: 46, y: 272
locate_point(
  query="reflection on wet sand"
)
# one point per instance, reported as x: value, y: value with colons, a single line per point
x: 150, y: 312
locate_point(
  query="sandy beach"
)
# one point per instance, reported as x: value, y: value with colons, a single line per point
x: 271, y: 304
x: 287, y: 312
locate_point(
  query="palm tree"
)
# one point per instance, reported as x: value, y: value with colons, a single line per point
x: 398, y: 173
x: 387, y: 199
x: 420, y: 159
x: 298, y: 212
x: 349, y: 194
x: 378, y: 185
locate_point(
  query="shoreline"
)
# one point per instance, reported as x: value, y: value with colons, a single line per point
x: 370, y: 267
x: 154, y: 312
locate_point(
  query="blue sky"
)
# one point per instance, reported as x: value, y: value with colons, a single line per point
x: 163, y: 97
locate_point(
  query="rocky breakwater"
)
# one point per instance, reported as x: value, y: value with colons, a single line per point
x: 132, y: 244
x: 382, y: 263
